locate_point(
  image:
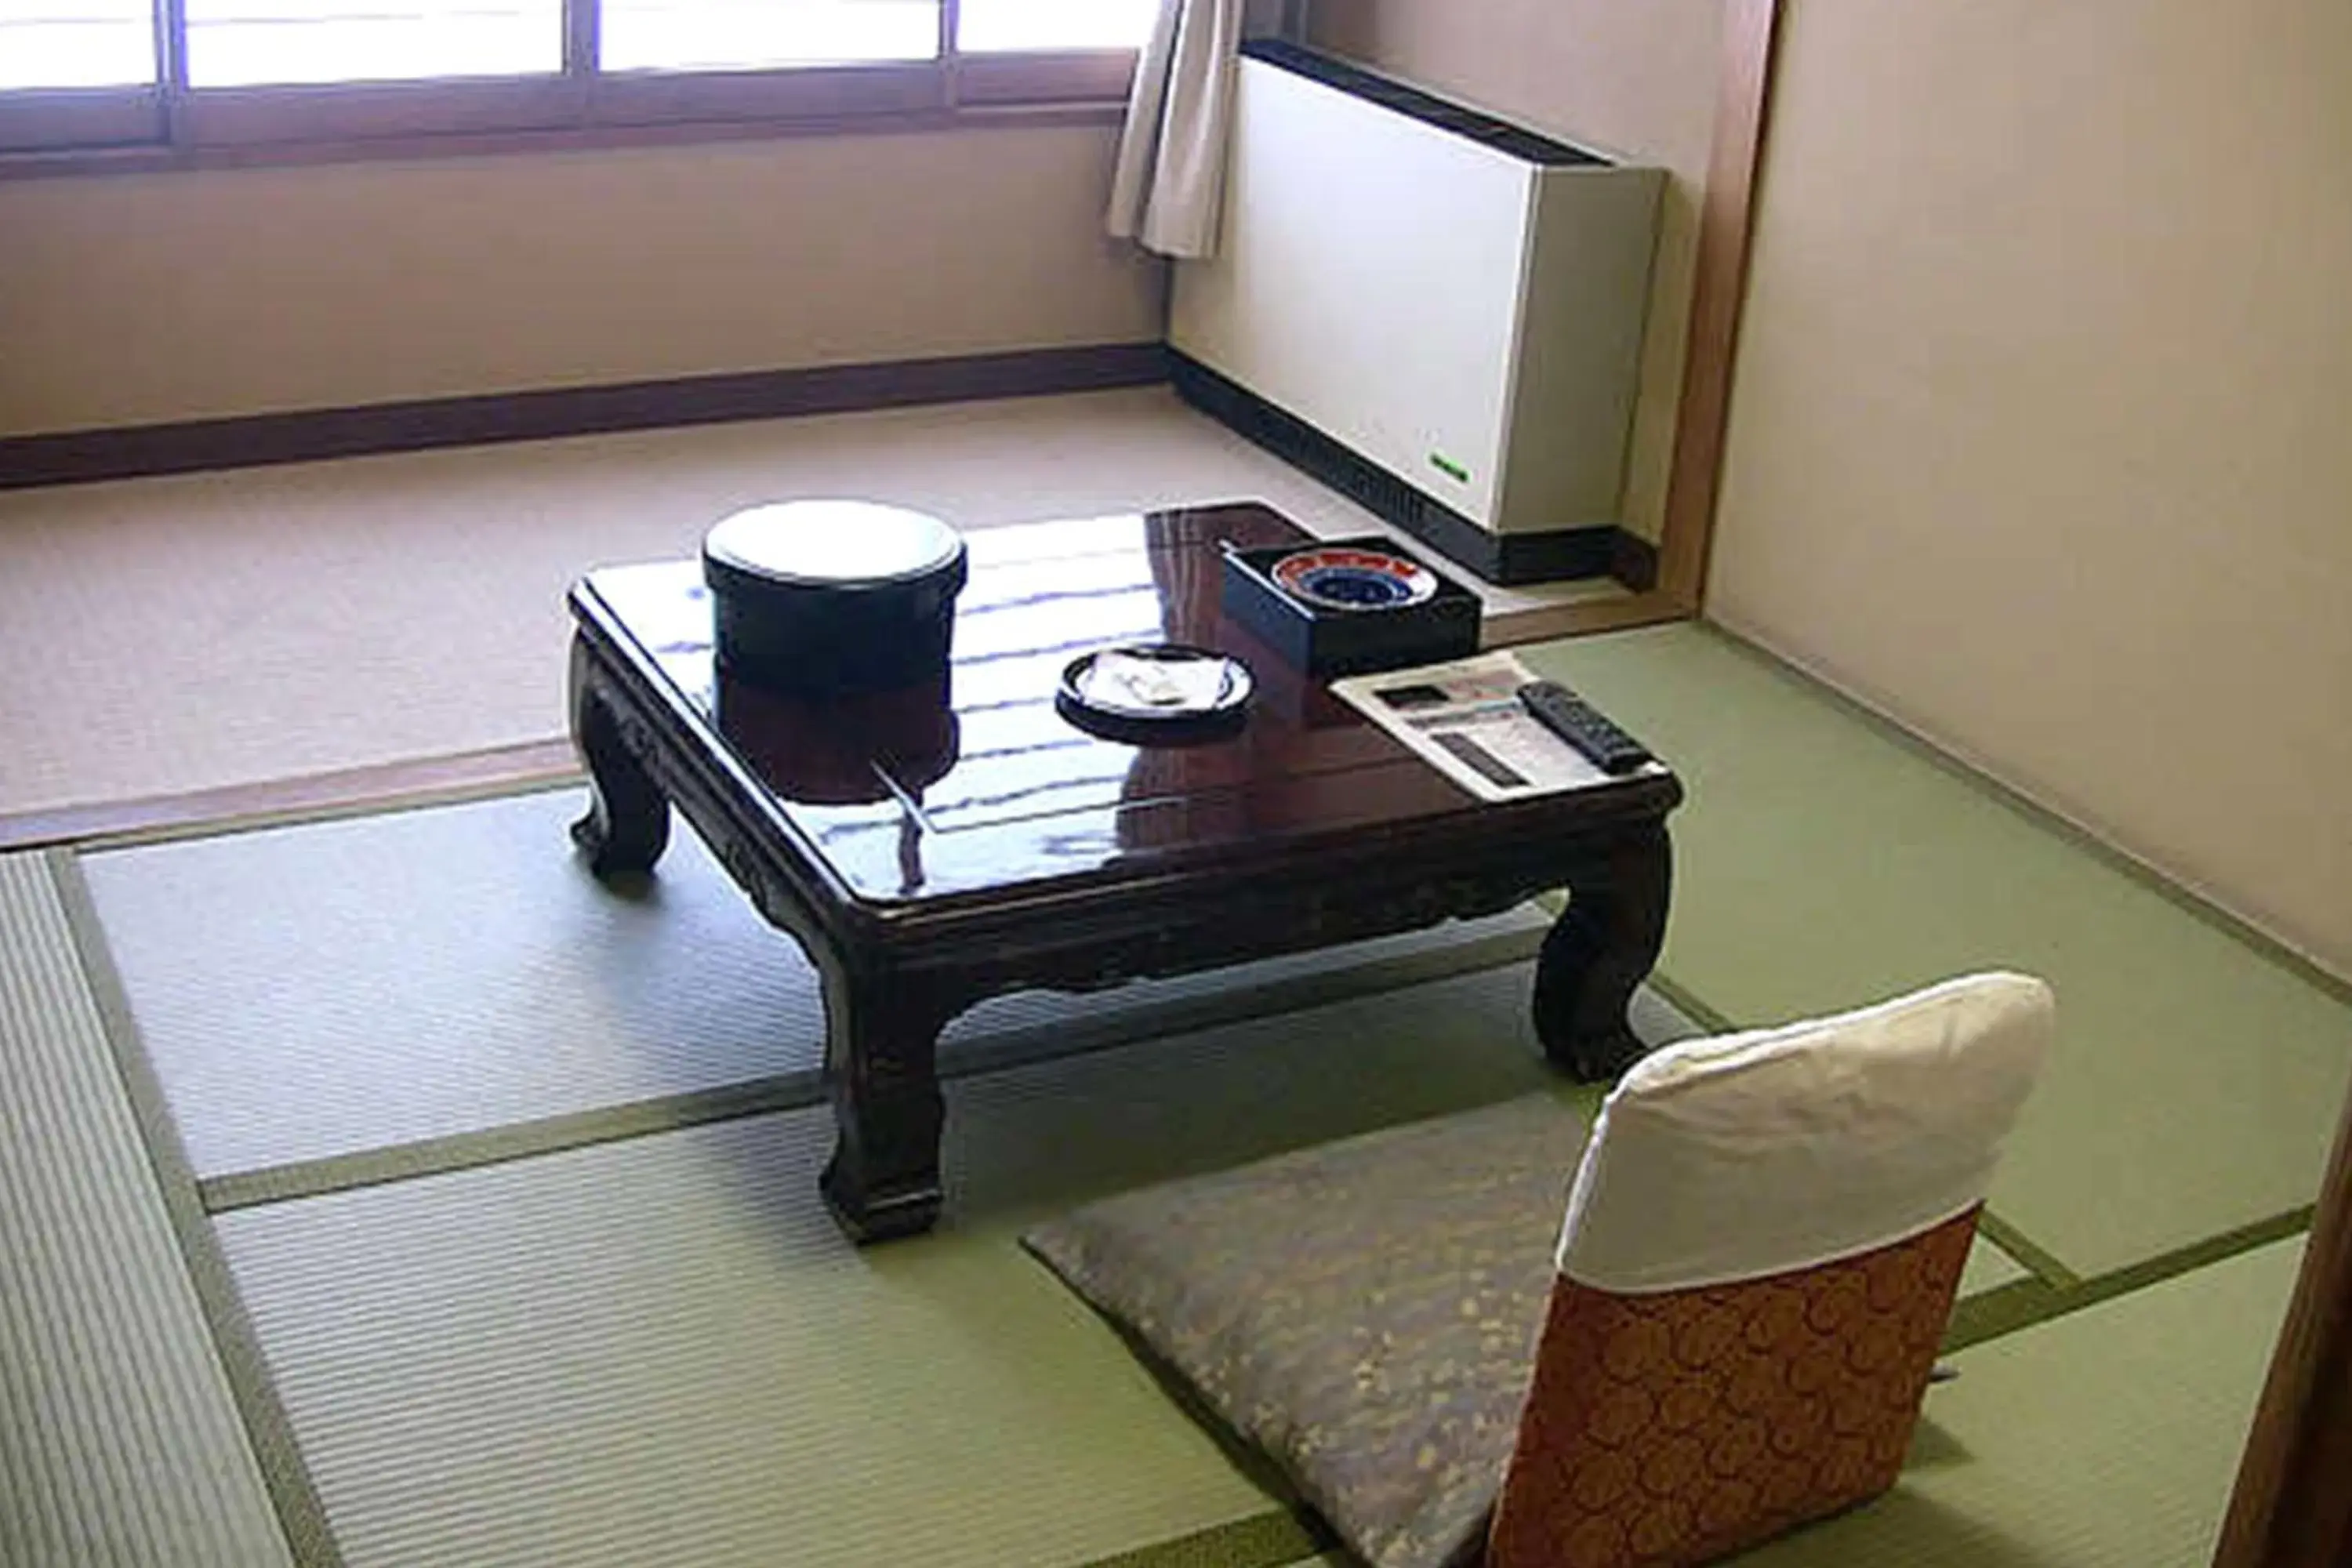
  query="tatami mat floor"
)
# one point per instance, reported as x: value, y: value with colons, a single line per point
x: 653, y: 1343
x: 654, y: 1346
x: 119, y: 1436
x: 455, y: 972
x: 640, y: 1341
x: 660, y: 1351
x: 1823, y: 858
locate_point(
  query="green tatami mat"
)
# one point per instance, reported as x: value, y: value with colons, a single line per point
x: 1988, y: 1268
x: 2107, y: 1439
x: 660, y: 1351
x: 119, y: 1440
x: 312, y: 991
x: 1821, y: 862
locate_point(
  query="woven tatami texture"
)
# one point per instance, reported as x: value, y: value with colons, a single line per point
x: 313, y: 991
x: 1822, y: 862
x: 661, y: 1352
x: 119, y: 1443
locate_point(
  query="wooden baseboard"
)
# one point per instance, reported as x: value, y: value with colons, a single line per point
x: 1584, y: 618
x: 82, y: 457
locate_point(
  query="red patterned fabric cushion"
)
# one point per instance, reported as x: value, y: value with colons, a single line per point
x: 1677, y: 1427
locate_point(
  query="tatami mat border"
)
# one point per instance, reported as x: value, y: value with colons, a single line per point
x: 300, y: 1512
x: 793, y: 1091
x: 1261, y: 1541
x: 1691, y: 1005
x: 2038, y: 1259
x: 2023, y: 1303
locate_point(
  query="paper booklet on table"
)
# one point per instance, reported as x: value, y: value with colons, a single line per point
x: 1466, y: 719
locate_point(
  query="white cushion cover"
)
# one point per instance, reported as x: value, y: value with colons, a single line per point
x: 1740, y: 1155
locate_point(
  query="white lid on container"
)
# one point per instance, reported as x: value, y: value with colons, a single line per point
x: 833, y: 543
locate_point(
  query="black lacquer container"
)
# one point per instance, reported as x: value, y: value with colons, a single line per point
x: 1330, y: 642
x: 821, y: 597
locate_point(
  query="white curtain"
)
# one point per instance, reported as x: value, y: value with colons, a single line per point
x: 1169, y: 187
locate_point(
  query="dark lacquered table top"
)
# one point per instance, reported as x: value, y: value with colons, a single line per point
x: 908, y: 800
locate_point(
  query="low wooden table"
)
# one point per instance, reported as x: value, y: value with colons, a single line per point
x: 927, y: 857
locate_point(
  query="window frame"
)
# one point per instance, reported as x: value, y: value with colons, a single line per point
x: 168, y: 123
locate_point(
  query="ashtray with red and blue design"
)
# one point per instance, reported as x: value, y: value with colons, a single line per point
x: 1348, y: 579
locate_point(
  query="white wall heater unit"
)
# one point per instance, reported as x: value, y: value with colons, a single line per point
x: 1435, y: 311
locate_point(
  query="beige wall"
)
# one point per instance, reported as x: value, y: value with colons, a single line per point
x: 135, y: 298
x: 1633, y: 77
x: 2041, y: 434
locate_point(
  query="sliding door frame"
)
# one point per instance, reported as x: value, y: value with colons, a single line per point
x: 1726, y: 230
x: 2292, y: 1507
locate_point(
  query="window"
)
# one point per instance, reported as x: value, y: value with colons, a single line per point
x: 250, y: 43
x: 755, y: 35
x: 75, y: 44
x: 996, y: 26
x: 181, y: 74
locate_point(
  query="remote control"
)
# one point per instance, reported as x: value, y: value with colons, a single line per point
x: 1583, y: 726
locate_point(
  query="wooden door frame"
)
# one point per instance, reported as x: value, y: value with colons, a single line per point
x: 2293, y: 1504
x: 1726, y: 228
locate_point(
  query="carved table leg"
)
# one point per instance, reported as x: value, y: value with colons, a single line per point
x: 1598, y: 952
x: 627, y: 825
x: 882, y: 1031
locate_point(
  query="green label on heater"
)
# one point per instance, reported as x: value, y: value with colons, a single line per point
x: 1449, y: 468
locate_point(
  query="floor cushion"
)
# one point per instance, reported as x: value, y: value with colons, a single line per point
x: 1364, y: 1313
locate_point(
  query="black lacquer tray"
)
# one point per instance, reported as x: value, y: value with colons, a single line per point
x: 1331, y: 641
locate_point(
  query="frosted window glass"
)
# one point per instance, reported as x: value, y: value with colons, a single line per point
x: 240, y: 43
x: 76, y: 43
x: 753, y: 35
x: 994, y: 26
